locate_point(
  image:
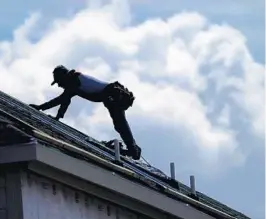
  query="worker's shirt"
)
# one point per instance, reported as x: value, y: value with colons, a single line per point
x: 90, y: 85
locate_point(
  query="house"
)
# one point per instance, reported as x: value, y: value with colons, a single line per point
x: 50, y: 170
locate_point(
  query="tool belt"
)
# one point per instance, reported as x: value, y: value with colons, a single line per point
x: 119, y: 96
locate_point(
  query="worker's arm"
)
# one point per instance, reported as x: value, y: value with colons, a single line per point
x: 47, y: 105
x: 52, y: 103
x: 63, y: 100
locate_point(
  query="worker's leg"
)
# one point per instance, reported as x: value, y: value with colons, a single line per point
x: 122, y: 127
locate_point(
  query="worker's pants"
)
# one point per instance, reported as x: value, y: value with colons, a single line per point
x: 121, y: 125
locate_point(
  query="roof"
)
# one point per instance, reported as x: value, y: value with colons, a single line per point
x: 47, y: 130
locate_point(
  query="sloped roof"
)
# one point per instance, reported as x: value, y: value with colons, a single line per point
x: 12, y: 109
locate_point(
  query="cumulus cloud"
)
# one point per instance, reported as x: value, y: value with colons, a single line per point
x: 170, y: 65
x: 232, y: 67
x: 224, y: 118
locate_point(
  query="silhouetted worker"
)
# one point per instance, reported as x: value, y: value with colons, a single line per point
x: 115, y: 97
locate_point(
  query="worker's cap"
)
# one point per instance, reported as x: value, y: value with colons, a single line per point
x: 59, y: 72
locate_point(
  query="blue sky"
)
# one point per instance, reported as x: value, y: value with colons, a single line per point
x: 197, y: 70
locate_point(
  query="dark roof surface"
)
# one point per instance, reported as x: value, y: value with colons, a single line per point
x: 59, y: 130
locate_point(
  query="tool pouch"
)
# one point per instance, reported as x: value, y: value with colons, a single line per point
x: 119, y: 96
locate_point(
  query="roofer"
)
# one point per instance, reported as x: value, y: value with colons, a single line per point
x: 115, y: 97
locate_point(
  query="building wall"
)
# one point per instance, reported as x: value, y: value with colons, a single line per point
x: 44, y: 198
x: 10, y: 194
x: 3, y: 209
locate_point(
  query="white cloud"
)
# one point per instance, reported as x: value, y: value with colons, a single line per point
x: 251, y: 97
x: 98, y: 67
x: 160, y: 61
x: 224, y: 49
x: 224, y: 118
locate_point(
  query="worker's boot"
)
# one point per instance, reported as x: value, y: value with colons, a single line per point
x: 135, y: 152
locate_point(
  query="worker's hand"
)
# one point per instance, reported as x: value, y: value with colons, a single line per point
x: 37, y: 107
